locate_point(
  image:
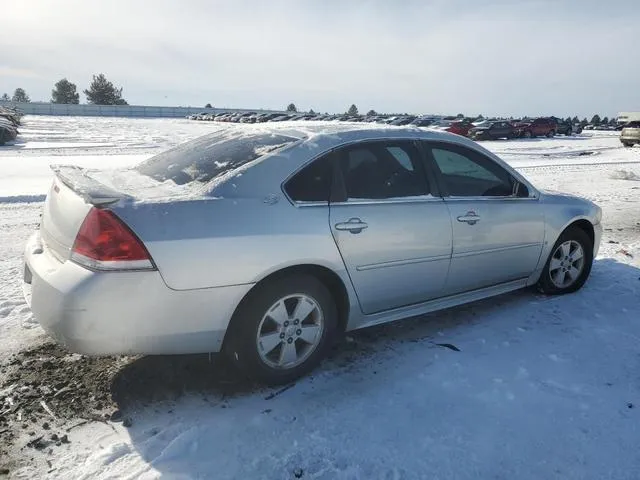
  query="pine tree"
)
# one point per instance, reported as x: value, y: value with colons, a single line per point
x: 311, y: 112
x: 584, y: 122
x: 208, y: 105
x: 20, y: 96
x: 605, y: 121
x: 103, y: 92
x: 353, y: 110
x: 595, y: 120
x: 291, y: 107
x: 5, y: 98
x: 65, y: 92
x: 371, y: 113
x: 575, y: 119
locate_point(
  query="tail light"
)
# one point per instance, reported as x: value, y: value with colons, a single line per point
x: 104, y: 242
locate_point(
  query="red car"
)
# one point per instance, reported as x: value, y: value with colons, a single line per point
x: 538, y: 127
x: 459, y: 127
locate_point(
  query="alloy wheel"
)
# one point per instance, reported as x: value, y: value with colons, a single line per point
x: 290, y: 331
x: 567, y: 264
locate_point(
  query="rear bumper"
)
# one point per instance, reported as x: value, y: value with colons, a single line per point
x: 628, y: 140
x: 109, y: 313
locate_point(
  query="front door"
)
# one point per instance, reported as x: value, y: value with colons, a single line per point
x: 393, y: 235
x: 498, y: 229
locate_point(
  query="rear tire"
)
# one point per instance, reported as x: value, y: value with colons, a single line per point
x: 569, y: 263
x: 268, y: 341
x: 628, y: 145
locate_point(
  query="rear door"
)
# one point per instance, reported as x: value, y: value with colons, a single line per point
x: 392, y: 229
x: 498, y: 130
x: 498, y: 231
x: 539, y: 127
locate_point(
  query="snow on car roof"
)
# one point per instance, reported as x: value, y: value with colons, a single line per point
x: 309, y: 129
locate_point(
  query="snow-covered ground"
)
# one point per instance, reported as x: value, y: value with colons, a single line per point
x: 541, y: 387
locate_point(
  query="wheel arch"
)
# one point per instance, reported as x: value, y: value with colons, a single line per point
x: 581, y: 222
x: 584, y: 225
x: 325, y: 275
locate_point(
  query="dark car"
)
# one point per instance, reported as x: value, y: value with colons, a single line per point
x: 493, y: 131
x: 423, y: 121
x: 404, y: 120
x: 562, y: 126
x: 8, y: 131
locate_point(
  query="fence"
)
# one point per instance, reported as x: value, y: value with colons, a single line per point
x: 42, y: 108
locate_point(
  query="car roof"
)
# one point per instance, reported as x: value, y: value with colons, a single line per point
x: 266, y: 174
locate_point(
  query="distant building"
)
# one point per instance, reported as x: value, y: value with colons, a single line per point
x: 626, y: 117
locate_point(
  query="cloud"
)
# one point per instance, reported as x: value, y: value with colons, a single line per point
x: 494, y: 57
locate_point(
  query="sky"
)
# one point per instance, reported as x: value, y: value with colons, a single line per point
x: 491, y: 57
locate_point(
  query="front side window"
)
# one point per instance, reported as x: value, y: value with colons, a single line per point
x: 210, y: 156
x: 380, y: 170
x: 466, y: 173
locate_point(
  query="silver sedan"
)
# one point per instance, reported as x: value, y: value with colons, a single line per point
x: 266, y: 242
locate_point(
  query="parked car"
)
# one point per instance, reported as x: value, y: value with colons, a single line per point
x: 8, y: 131
x: 404, y: 120
x: 493, y: 131
x: 423, y: 121
x: 562, y: 126
x: 630, y: 134
x: 301, y: 242
x: 537, y: 127
x: 283, y: 118
x: 459, y: 127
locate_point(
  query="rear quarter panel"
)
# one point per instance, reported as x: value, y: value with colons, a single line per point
x: 221, y: 242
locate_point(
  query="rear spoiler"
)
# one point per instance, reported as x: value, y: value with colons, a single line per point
x: 91, y: 190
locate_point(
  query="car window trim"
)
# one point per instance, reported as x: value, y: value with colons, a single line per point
x: 428, y: 145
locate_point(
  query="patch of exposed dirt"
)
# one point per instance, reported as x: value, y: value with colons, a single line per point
x: 46, y: 391
x: 46, y: 388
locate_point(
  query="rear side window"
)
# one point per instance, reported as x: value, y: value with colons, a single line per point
x: 632, y: 125
x: 210, y: 156
x: 312, y: 183
x: 380, y: 170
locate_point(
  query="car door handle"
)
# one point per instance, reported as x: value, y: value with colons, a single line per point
x: 353, y: 225
x: 470, y: 217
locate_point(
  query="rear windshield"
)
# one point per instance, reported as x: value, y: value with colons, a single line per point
x: 632, y: 125
x: 210, y: 156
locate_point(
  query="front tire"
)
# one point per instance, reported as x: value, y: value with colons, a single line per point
x: 283, y: 330
x: 569, y: 264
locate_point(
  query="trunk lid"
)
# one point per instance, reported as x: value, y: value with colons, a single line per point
x: 75, y: 190
x: 63, y: 213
